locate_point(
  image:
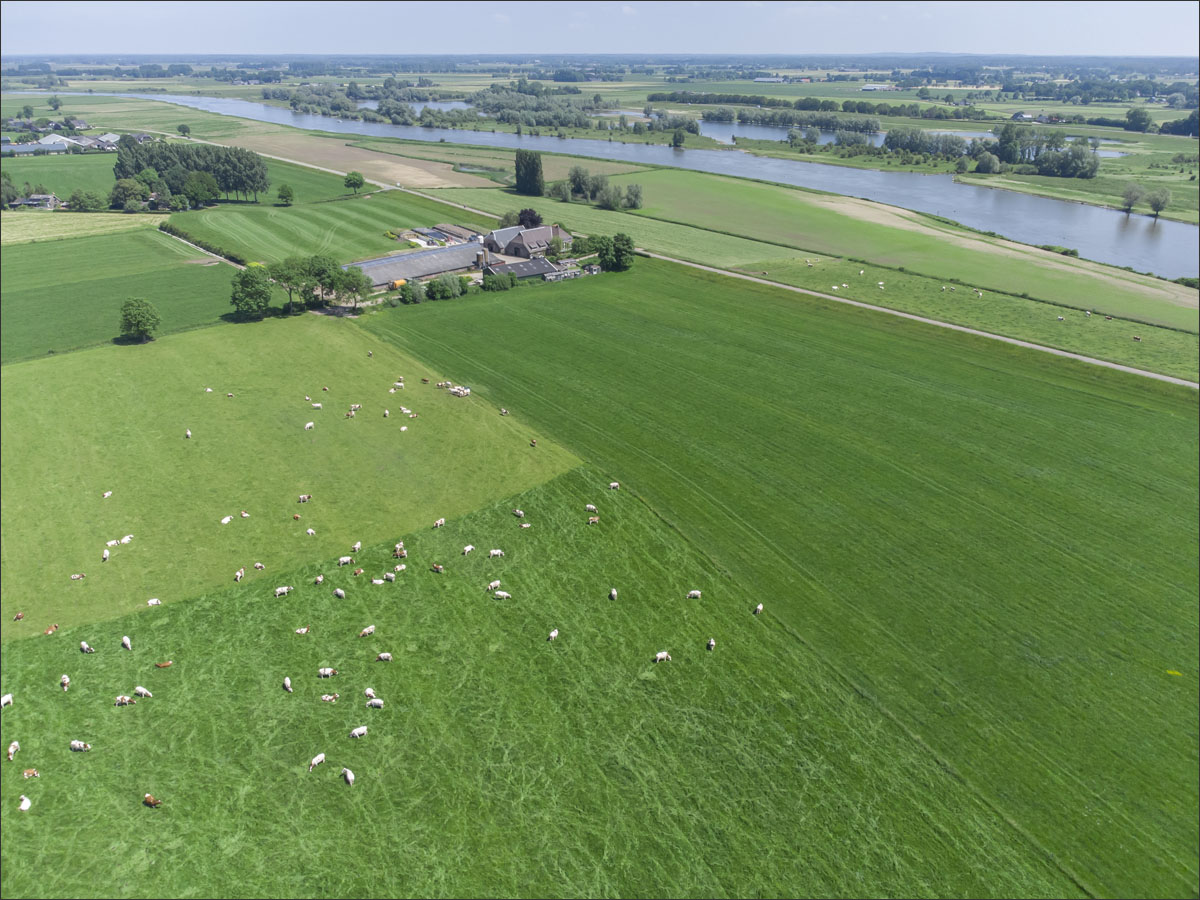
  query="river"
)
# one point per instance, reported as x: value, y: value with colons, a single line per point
x: 1169, y: 249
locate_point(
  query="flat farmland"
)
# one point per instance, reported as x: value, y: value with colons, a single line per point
x: 64, y: 173
x: 501, y: 764
x: 996, y: 547
x: 113, y: 418
x: 61, y: 295
x: 35, y: 225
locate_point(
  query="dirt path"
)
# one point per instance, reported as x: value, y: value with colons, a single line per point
x: 895, y: 312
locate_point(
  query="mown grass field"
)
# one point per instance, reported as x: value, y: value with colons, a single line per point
x: 65, y: 173
x: 36, y: 225
x: 61, y: 295
x: 114, y: 418
x: 322, y: 221
x: 501, y: 764
x: 996, y: 546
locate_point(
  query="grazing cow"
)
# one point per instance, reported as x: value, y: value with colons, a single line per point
x: 612, y: 595
x: 525, y: 525
x: 142, y: 692
x: 400, y: 568
x: 330, y: 698
x: 284, y: 591
x: 357, y: 546
x: 712, y: 643
x: 104, y: 556
x: 12, y: 750
x: 662, y: 656
x: 287, y: 684
x: 758, y: 609
x: 386, y: 413
x: 227, y: 520
x: 590, y: 508
x: 1088, y: 313
x: 239, y: 574
x: 359, y: 571
x: 79, y: 576
x: 375, y: 703
x: 614, y: 485
x: 25, y: 804
x: 349, y: 776
x: 503, y: 411
x: 53, y: 628
x: 244, y: 514
x: 1061, y: 319
x: 65, y: 681
x: 80, y: 747
x: 303, y: 630
x: 355, y: 407
x: 106, y: 495
x: 339, y: 593
x: 404, y: 428
x: 519, y: 513
x: 304, y: 498
x: 399, y: 546
x: 308, y: 426
x: 188, y: 433
x: 360, y: 731
x: 319, y: 579
x: 123, y: 700
x: 84, y: 647
x: 593, y: 520
x: 439, y: 523
x: 150, y: 800
x: 533, y: 443
x: 324, y: 388
x: 693, y: 595
x: 350, y: 415
x: 18, y: 617
x: 126, y: 643
x: 494, y: 553
x: 6, y: 700
x: 384, y: 657
x: 370, y: 629
x: 1108, y: 318
x: 31, y: 773
x: 553, y: 635
x: 369, y: 693
x: 229, y: 395
x: 326, y: 673
x: 438, y: 568
x: 389, y: 576
x: 310, y: 532
x: 502, y: 595
x: 1136, y: 338
x: 467, y: 549
x: 316, y: 761
x: 493, y: 585
x: 163, y: 665
x: 112, y: 543
x: 307, y: 398
x: 208, y: 390
x: 345, y: 560
x: 154, y: 601
x: 127, y: 539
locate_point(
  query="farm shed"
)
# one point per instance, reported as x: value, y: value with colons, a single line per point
x: 530, y: 268
x: 419, y: 263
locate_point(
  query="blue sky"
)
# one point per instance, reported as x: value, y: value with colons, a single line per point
x: 625, y: 26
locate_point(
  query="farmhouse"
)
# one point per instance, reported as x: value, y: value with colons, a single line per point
x: 526, y: 242
x: 38, y: 201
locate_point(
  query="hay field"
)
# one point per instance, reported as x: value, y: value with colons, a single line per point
x: 64, y: 173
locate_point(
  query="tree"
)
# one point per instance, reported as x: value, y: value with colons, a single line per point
x: 633, y: 196
x: 352, y: 285
x: 1158, y: 200
x: 678, y: 138
x: 602, y: 246
x: 508, y: 220
x: 622, y: 252
x: 529, y: 174
x: 128, y: 190
x: 286, y: 194
x: 54, y: 103
x: 321, y: 274
x: 139, y: 319
x: 86, y: 201
x: 610, y: 197
x: 595, y: 184
x: 987, y: 164
x: 577, y: 178
x: 291, y: 275
x: 529, y: 218
x: 354, y: 180
x: 962, y: 165
x: 200, y: 189
x: 251, y: 291
x: 412, y: 291
x: 561, y: 190
x: 26, y: 111
x: 1131, y: 195
x: 185, y: 130
x: 1137, y: 120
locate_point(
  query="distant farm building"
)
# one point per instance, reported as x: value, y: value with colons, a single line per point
x: 529, y: 268
x: 879, y: 87
x: 38, y: 201
x: 528, y: 243
x: 421, y: 264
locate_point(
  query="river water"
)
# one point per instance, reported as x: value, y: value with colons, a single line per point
x: 1169, y: 249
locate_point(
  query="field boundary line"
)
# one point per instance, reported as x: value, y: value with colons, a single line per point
x: 176, y: 237
x: 470, y: 209
x: 1029, y: 345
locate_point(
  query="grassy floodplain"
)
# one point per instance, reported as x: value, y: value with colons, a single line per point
x: 64, y: 173
x: 997, y: 547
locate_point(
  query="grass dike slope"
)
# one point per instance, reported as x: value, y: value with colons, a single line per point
x: 996, y: 546
x: 501, y: 764
x: 113, y: 419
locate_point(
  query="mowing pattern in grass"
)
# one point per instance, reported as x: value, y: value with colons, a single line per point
x: 28, y: 226
x: 114, y: 419
x: 347, y: 229
x: 501, y: 764
x: 996, y: 546
x: 63, y: 295
x: 66, y: 173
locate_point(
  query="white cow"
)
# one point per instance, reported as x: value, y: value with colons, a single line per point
x: 12, y: 750
x: 389, y: 576
x: 467, y: 549
x: 111, y: 543
x: 493, y: 585
x: 519, y: 513
x: 357, y: 546
x: 239, y: 574
x: 345, y: 560
x: 316, y: 406
x: 614, y: 485
x: 320, y: 579
x: 127, y: 539
x: 375, y: 703
x: 284, y: 591
x: 287, y: 684
x: 6, y: 700
x: 612, y: 595
x: 259, y: 566
x: 126, y: 643
x: 503, y: 595
x: 244, y: 514
x: 154, y: 601
x: 384, y: 657
x: 104, y: 556
x: 339, y: 593
x: 308, y: 426
x: 377, y: 581
x: 370, y: 629
x: 439, y: 523
x: 492, y: 554
x: 25, y: 804
x: 124, y: 700
x: 330, y: 698
x: 311, y: 533
x: 65, y: 681
x: 693, y: 595
x: 303, y: 630
x: 84, y: 647
x: 80, y: 747
x: 142, y: 692
x: 316, y: 761
x: 106, y: 494
x: 712, y: 643
x: 188, y: 433
x: 553, y: 635
x: 386, y: 413
x: 360, y: 731
x: 590, y: 507
x: 349, y: 776
x: 662, y: 656
x: 369, y: 693
x: 227, y: 520
x: 326, y: 673
x: 758, y: 609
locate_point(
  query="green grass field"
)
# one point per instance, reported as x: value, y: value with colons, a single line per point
x: 65, y: 173
x: 114, y: 418
x: 61, y: 295
x: 36, y: 225
x: 995, y: 546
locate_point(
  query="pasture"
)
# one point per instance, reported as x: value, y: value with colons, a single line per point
x: 64, y: 173
x: 34, y: 225
x: 61, y: 295
x: 501, y: 764
x: 113, y: 418
x: 995, y: 547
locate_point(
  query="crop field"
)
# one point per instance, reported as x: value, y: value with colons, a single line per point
x: 35, y: 226
x: 114, y: 418
x: 65, y: 173
x: 996, y: 547
x: 61, y: 295
x: 347, y: 229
